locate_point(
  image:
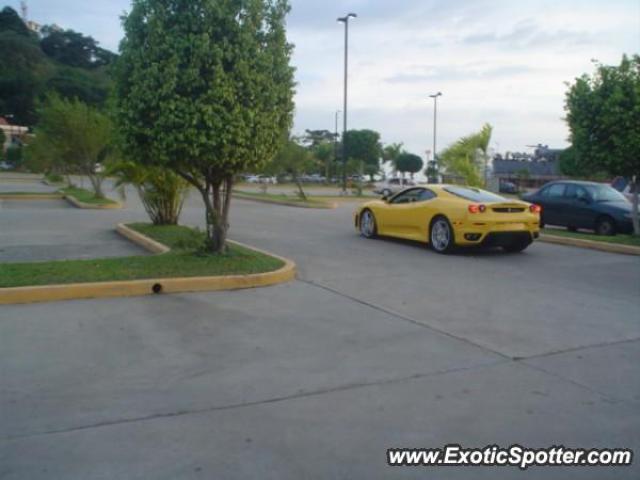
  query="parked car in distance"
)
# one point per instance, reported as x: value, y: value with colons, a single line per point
x: 588, y: 205
x: 392, y: 185
x: 260, y: 179
x: 508, y: 187
x: 624, y: 186
x: 446, y: 216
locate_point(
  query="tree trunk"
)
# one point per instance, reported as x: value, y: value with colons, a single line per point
x: 301, y: 193
x: 217, y: 199
x: 96, y: 183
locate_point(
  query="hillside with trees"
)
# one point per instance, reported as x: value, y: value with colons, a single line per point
x: 33, y: 65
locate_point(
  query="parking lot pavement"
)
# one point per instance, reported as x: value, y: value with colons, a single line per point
x: 7, y: 185
x: 379, y: 344
x: 40, y: 230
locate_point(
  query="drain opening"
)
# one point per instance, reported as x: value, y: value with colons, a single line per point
x: 157, y: 288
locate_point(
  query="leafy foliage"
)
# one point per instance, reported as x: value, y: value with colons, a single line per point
x: 28, y: 74
x: 161, y: 191
x: 72, y: 137
x: 391, y: 152
x: 465, y: 158
x: 292, y: 159
x: 603, y: 113
x: 11, y: 21
x: 364, y: 146
x: 74, y: 49
x: 409, y: 163
x: 205, y: 88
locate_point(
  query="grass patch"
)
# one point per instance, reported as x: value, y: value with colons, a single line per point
x: 182, y: 261
x: 44, y: 194
x: 618, y: 239
x: 85, y: 196
x: 283, y: 199
x: 54, y: 178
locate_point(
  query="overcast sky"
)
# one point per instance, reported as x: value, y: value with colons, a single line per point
x: 499, y: 61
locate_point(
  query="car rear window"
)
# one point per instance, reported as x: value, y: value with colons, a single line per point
x: 474, y: 194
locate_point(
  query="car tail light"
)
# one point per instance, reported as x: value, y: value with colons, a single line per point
x: 535, y: 209
x: 473, y: 208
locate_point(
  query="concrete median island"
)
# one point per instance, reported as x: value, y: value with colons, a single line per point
x: 283, y: 199
x: 181, y: 269
x: 78, y: 197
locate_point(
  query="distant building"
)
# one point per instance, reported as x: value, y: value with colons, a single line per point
x: 13, y: 134
x: 528, y: 170
x: 33, y: 26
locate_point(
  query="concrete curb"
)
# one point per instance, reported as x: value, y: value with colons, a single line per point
x: 61, y: 196
x: 602, y: 246
x: 152, y: 286
x: 91, y: 206
x: 145, y: 242
x: 320, y: 206
x: 34, y: 196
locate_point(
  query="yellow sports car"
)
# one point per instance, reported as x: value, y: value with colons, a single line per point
x: 446, y: 216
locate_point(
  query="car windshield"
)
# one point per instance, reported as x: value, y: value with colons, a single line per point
x: 604, y: 193
x: 474, y: 194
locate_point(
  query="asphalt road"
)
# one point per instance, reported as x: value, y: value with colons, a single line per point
x: 378, y: 344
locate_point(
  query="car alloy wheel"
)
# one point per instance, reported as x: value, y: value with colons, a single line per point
x: 441, y: 238
x: 367, y: 224
x: 386, y: 192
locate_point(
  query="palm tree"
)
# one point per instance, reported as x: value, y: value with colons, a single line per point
x: 390, y: 153
x: 467, y: 157
x: 161, y: 191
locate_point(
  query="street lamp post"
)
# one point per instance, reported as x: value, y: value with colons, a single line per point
x: 345, y: 20
x: 435, y: 126
x: 335, y: 141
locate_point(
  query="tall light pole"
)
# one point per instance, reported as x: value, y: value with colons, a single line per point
x: 435, y: 126
x: 345, y: 20
x: 335, y: 141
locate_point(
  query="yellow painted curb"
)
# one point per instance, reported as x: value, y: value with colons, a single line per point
x: 35, y: 196
x: 581, y: 243
x: 91, y: 206
x: 317, y: 206
x: 145, y: 242
x: 153, y: 286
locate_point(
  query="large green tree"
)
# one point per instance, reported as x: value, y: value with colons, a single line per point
x: 409, y: 163
x: 467, y: 157
x: 28, y: 73
x: 72, y: 137
x: 364, y: 146
x: 74, y: 49
x: 603, y: 113
x: 205, y: 88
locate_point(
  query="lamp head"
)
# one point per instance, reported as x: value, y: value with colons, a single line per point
x: 346, y: 18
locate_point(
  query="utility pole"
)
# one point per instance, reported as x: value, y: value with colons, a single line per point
x: 345, y: 20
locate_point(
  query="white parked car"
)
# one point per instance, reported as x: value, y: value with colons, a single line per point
x: 260, y: 179
x: 392, y: 185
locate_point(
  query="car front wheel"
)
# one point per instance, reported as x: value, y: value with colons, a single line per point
x: 368, y: 227
x: 441, y: 235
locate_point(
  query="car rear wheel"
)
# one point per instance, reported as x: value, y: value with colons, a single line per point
x: 386, y: 192
x: 605, y: 226
x: 441, y: 235
x: 368, y: 228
